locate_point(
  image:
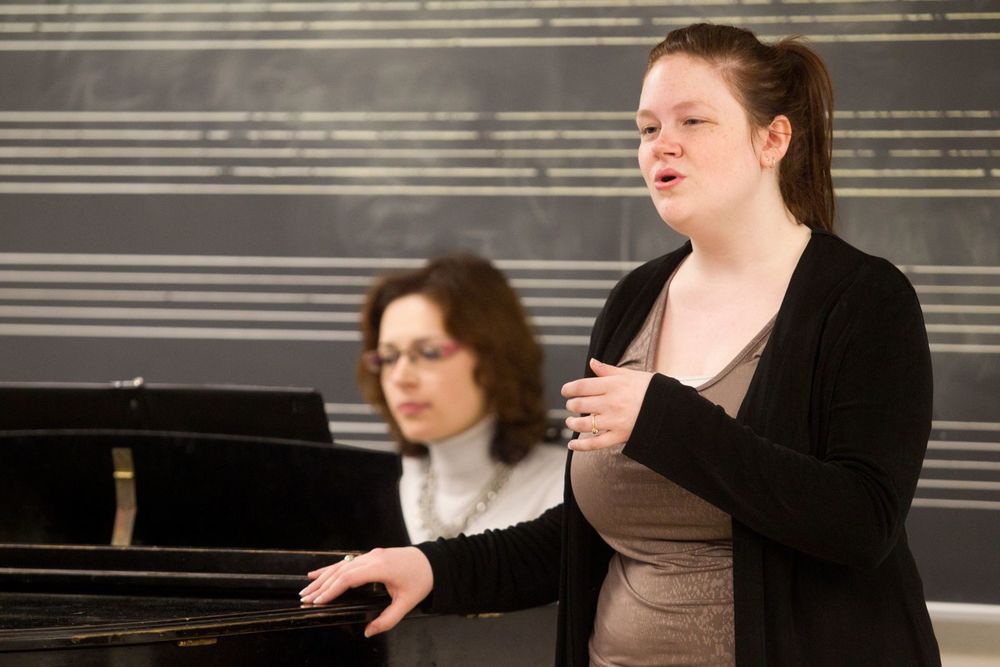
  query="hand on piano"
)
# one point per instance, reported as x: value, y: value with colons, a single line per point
x: 405, y: 572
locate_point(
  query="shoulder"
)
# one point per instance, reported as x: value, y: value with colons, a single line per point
x: 836, y: 255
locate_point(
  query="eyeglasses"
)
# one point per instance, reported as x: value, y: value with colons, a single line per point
x: 420, y: 352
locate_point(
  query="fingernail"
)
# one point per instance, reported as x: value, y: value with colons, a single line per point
x: 368, y: 633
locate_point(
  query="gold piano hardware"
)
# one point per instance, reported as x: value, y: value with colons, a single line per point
x: 124, y: 476
x: 186, y: 643
x: 485, y: 615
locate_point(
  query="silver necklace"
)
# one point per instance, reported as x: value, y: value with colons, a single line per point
x: 433, y: 523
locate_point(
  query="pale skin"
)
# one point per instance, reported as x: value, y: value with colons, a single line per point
x: 745, y: 242
x: 746, y: 245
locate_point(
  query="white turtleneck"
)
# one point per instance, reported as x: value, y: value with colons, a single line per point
x: 463, y: 468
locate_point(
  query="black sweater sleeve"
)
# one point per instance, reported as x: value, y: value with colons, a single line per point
x: 844, y: 499
x: 498, y: 570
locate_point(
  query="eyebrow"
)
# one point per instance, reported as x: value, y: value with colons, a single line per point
x: 680, y: 106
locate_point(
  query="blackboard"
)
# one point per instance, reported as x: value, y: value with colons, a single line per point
x: 201, y: 192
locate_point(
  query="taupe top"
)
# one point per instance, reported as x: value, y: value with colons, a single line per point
x: 668, y: 596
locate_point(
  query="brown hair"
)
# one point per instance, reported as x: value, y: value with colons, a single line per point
x: 483, y: 313
x: 786, y: 78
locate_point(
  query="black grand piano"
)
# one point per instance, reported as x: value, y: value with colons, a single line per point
x: 164, y: 525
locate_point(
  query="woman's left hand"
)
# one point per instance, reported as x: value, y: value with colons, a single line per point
x: 611, y: 402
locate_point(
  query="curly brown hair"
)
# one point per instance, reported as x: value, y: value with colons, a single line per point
x: 482, y: 312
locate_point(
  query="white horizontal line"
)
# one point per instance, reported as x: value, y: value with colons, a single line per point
x: 593, y: 22
x: 107, y: 188
x: 177, y: 296
x: 956, y: 504
x: 964, y: 328
x: 595, y: 172
x: 137, y: 170
x: 908, y: 173
x: 560, y: 321
x: 561, y: 302
x: 117, y: 134
x: 916, y: 134
x: 348, y: 409
x: 134, y: 277
x: 226, y: 315
x: 916, y: 193
x: 247, y: 116
x: 967, y: 269
x: 967, y: 310
x: 303, y: 153
x: 561, y: 283
x: 964, y: 348
x: 957, y: 289
x: 966, y: 425
x: 124, y: 27
x: 358, y: 427
x: 554, y: 135
x: 210, y: 314
x: 206, y: 116
x: 961, y: 611
x: 940, y: 464
x: 373, y: 445
x: 958, y: 485
x: 964, y: 445
x: 258, y: 261
x: 504, y: 42
x: 204, y: 7
x: 384, y: 172
x: 209, y: 333
x: 565, y: 340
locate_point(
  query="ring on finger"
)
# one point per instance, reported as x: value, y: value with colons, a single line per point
x: 348, y: 558
x: 593, y: 425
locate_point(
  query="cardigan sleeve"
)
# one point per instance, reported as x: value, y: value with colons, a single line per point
x: 847, y: 499
x: 498, y: 570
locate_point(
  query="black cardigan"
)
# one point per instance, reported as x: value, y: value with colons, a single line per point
x: 817, y: 471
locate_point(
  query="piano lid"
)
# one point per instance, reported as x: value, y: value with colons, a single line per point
x: 268, y: 412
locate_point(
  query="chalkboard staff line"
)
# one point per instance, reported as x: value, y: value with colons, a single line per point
x: 306, y: 335
x: 110, y: 188
x: 238, y: 315
x: 160, y: 278
x: 197, y: 152
x: 133, y: 134
x: 284, y: 298
x: 948, y: 484
x: 260, y: 261
x: 211, y: 7
x: 943, y: 503
x: 49, y: 116
x: 229, y: 8
x: 171, y: 24
x: 939, y: 464
x: 507, y: 42
x: 417, y: 172
x: 956, y: 425
x: 953, y: 445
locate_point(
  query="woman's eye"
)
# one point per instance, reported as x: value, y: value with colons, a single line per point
x: 693, y: 121
x: 648, y: 130
x: 430, y: 353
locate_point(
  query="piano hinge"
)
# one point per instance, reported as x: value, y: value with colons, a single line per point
x: 124, y: 476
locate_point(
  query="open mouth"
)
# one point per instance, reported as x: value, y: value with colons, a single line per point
x: 667, y: 179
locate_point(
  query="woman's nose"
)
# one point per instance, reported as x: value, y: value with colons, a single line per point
x: 667, y: 145
x: 404, y: 371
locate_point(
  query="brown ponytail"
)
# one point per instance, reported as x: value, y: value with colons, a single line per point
x: 789, y: 79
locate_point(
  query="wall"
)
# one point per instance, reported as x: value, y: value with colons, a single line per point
x: 201, y: 192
